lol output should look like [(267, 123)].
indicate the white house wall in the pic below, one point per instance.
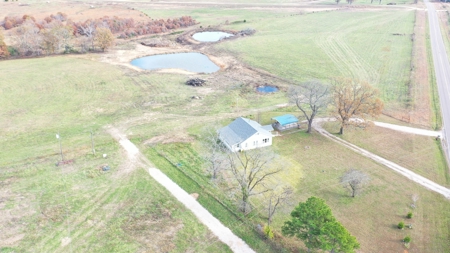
[(249, 143)]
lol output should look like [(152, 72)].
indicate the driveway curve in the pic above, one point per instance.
[(317, 125)]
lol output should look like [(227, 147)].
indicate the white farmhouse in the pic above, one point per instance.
[(244, 134)]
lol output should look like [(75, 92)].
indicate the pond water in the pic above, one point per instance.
[(210, 36), (192, 62), (267, 89)]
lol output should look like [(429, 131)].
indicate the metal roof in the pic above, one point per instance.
[(267, 127), (240, 130), (286, 119)]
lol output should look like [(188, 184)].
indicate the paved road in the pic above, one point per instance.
[(442, 72)]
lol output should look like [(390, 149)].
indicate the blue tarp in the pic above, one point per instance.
[(286, 119)]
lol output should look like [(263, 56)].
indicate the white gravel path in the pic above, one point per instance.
[(224, 234), (397, 168), (410, 130)]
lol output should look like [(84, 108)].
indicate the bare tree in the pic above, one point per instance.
[(215, 156), (355, 180), (276, 199), (28, 39), (55, 36), (354, 98), (88, 31), (310, 97), (251, 170)]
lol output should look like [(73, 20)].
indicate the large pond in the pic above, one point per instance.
[(192, 62), (210, 36)]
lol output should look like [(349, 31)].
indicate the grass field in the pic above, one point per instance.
[(353, 44), (421, 154), (373, 46), (44, 205), (77, 207), (371, 217)]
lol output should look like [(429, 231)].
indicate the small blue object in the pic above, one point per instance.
[(285, 119), (267, 89), (105, 168)]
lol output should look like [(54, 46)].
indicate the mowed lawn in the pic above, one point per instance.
[(78, 207), (372, 217)]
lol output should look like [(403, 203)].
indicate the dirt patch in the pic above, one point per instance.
[(13, 208), (155, 232), (172, 138), (76, 11), (419, 112)]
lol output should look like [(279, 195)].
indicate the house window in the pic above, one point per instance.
[(237, 145), (255, 143), (265, 140)]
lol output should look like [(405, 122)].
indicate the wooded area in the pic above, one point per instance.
[(58, 34)]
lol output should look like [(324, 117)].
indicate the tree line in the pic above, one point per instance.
[(58, 34)]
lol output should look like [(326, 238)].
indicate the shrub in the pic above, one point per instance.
[(245, 21), (409, 215), (401, 225), (407, 239), (268, 232), (13, 51)]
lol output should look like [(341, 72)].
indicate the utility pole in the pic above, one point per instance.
[(92, 143), (60, 147)]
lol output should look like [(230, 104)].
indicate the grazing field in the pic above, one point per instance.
[(371, 46), (77, 206)]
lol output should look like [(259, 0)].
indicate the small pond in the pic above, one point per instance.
[(267, 89), (192, 62), (210, 36)]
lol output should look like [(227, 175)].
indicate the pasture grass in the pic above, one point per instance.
[(184, 166), (371, 216), (385, 201), (77, 207), (371, 46), (421, 154)]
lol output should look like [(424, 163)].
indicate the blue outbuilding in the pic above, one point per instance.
[(285, 122)]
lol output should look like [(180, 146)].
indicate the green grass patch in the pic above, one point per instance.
[(435, 104), (191, 177), (328, 44)]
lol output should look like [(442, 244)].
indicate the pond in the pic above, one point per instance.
[(192, 62), (267, 89), (210, 36)]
